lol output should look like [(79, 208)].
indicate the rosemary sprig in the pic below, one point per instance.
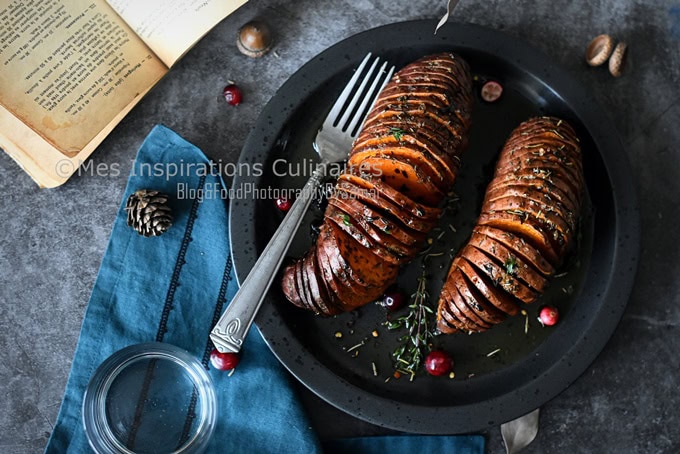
[(416, 343)]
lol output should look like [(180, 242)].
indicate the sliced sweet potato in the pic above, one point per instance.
[(544, 152), (347, 224), (363, 265), (406, 177), (557, 228), (349, 190), (430, 167), (474, 299), (317, 291), (329, 279), (453, 314), (413, 138), (437, 131), (408, 205), (551, 170), (510, 260), (530, 193), (350, 289), (544, 176), (520, 247), (547, 191), (499, 298), (443, 324), (416, 111), (302, 288), (382, 237), (423, 153), (289, 286), (498, 275), (378, 218), (525, 227), (448, 320), (461, 297), (424, 133)]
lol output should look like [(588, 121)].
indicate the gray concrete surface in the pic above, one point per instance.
[(51, 241)]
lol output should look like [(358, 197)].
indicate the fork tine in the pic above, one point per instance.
[(371, 95), (337, 107), (359, 94)]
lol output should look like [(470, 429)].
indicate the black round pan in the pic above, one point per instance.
[(528, 368)]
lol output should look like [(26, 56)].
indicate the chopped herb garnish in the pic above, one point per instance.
[(346, 219), (398, 133), (511, 265)]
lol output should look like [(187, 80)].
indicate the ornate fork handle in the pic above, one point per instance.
[(231, 330)]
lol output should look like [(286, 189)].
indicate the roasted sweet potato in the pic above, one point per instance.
[(401, 166), (404, 175), (527, 224), (379, 219), (527, 228), (424, 133), (383, 236), (556, 227), (510, 260), (290, 289), (544, 201), (519, 247), (417, 153), (378, 188)]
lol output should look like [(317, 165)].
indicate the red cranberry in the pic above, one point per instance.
[(394, 300), (223, 361), (549, 315), (233, 94), (284, 204), (491, 91), (438, 363)]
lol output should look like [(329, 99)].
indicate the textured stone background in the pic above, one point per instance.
[(52, 241)]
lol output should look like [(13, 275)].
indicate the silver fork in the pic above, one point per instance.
[(332, 143)]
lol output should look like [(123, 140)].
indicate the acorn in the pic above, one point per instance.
[(599, 49), (254, 39), (618, 59)]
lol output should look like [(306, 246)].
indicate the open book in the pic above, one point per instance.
[(70, 71)]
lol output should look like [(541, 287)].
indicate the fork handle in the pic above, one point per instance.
[(231, 329)]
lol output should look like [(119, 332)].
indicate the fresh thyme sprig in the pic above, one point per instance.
[(416, 344)]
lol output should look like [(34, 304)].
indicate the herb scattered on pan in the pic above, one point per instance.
[(416, 344)]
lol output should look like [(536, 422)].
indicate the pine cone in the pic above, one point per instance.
[(148, 212)]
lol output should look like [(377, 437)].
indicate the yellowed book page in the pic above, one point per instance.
[(67, 69), (171, 27), (43, 162)]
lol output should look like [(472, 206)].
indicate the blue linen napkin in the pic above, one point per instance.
[(173, 289)]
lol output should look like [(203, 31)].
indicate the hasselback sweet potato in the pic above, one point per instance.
[(526, 227), (401, 166)]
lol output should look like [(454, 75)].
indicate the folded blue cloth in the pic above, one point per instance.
[(172, 289)]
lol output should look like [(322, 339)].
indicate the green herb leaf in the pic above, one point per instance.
[(398, 133), (511, 265), (346, 219)]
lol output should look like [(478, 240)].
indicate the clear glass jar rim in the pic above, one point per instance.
[(99, 434)]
